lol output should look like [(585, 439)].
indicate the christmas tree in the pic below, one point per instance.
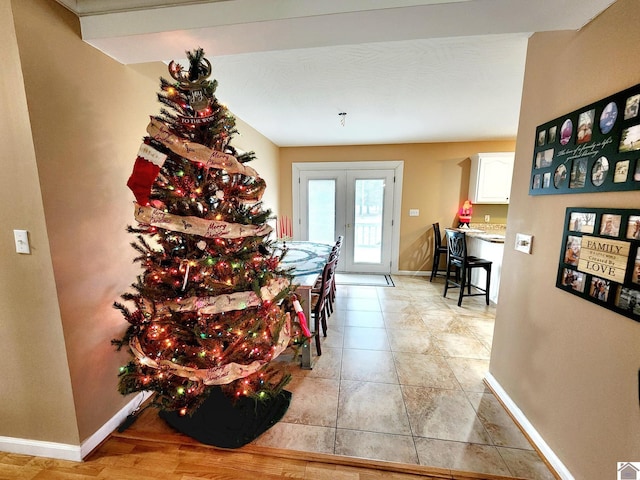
[(209, 315)]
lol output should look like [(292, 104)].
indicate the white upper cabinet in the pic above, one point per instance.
[(490, 180)]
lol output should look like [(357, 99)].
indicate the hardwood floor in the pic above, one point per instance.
[(150, 449)]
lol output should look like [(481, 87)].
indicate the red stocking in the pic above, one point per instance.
[(145, 171)]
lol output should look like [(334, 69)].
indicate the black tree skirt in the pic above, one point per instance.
[(224, 424)]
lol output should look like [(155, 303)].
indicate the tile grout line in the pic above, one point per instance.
[(404, 402)]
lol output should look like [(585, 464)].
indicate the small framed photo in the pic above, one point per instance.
[(636, 174), (546, 180), (566, 131), (599, 288), (585, 126), (629, 299), (538, 163), (583, 222), (578, 173), (608, 117), (559, 176), (542, 135), (572, 278), (633, 228), (631, 107), (537, 181), (630, 139), (610, 225), (621, 171), (544, 158), (572, 250), (553, 131), (599, 171), (635, 276)]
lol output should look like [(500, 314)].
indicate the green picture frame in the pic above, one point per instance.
[(593, 149), (600, 258)]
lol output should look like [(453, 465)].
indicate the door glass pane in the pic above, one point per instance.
[(322, 210), (367, 245)]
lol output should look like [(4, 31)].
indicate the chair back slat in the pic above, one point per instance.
[(328, 273), (437, 235), (456, 244)]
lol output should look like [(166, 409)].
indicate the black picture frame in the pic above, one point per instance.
[(593, 149), (612, 281)]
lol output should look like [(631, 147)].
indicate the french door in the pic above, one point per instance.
[(334, 199)]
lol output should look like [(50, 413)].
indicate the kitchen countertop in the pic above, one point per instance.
[(487, 236)]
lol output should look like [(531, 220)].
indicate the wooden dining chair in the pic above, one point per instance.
[(335, 252), (438, 249), (458, 259), (337, 249), (319, 300)]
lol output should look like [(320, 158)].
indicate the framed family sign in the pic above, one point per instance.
[(600, 258), (593, 149)]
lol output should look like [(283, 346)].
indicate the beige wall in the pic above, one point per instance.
[(35, 397), (87, 116), (571, 366), (266, 162), (436, 181)]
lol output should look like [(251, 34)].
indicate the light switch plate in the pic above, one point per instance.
[(523, 243), (414, 212), (22, 241)]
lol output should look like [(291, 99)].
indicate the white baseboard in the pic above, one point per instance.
[(62, 451), (103, 432), (528, 428), (38, 448)]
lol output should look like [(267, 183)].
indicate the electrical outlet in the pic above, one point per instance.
[(487, 218)]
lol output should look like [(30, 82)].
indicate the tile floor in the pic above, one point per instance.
[(400, 380)]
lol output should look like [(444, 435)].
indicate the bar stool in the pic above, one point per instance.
[(438, 249), (457, 258)]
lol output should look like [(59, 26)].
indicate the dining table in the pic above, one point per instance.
[(307, 259)]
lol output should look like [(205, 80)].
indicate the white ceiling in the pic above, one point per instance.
[(404, 71)]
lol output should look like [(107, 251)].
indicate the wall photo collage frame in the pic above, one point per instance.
[(593, 149), (600, 258)]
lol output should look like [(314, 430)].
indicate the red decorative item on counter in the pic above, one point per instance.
[(464, 214)]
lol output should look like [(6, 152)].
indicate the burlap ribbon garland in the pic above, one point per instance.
[(215, 376), (220, 303), (197, 226), (196, 152), (210, 305)]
